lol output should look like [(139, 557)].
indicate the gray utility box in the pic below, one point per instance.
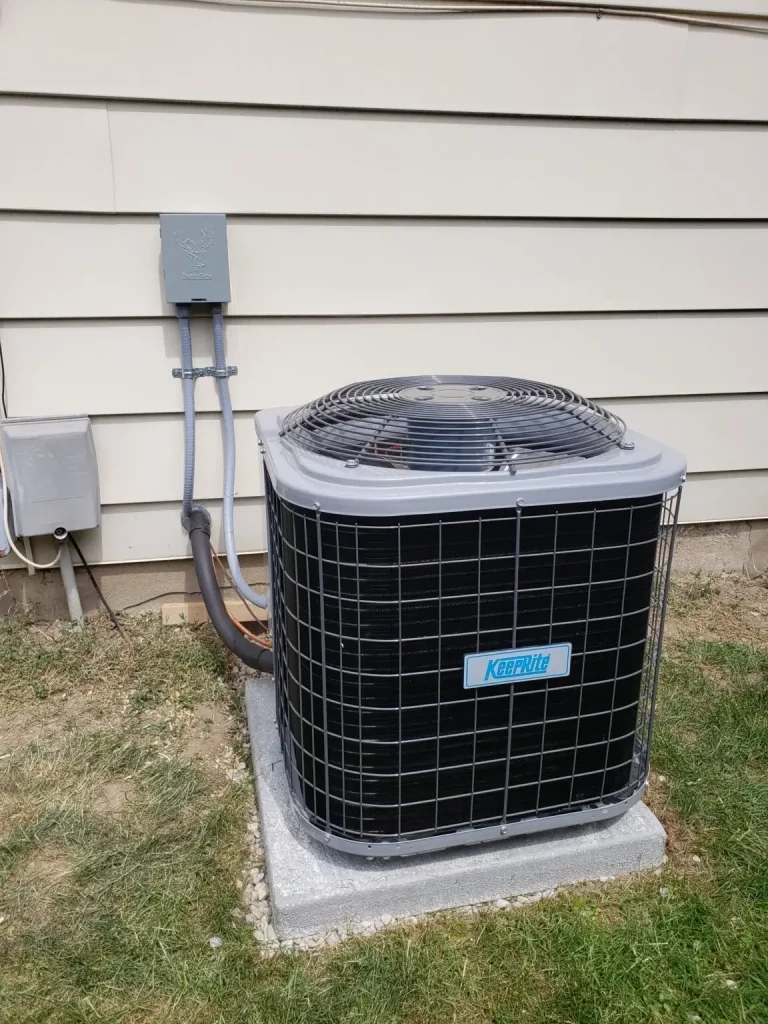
[(195, 262), (53, 477)]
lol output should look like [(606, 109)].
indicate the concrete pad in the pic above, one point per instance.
[(314, 889)]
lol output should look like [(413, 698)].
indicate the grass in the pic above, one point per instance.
[(122, 842)]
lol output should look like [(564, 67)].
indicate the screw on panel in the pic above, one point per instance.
[(503, 830), (316, 505), (351, 463), (520, 502), (627, 446)]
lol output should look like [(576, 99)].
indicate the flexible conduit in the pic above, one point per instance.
[(228, 502), (188, 388)]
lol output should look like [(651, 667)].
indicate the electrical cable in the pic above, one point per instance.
[(732, 22), (97, 588), (3, 385)]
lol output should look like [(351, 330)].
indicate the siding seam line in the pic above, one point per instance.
[(415, 112), (111, 157)]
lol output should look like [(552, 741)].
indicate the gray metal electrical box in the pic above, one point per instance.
[(52, 474), (195, 260)]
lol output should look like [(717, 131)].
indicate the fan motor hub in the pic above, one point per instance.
[(452, 394)]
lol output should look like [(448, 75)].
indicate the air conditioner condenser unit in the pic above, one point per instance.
[(469, 578)]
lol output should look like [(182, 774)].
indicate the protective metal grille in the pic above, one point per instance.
[(453, 424), (373, 617)]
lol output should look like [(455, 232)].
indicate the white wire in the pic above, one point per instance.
[(750, 23), (5, 498)]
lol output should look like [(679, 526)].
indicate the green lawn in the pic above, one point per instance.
[(122, 843)]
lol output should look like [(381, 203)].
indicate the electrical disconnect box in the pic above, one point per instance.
[(52, 474), (195, 260)]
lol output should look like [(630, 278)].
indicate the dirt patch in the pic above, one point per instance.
[(689, 738), (46, 866), (681, 845), (209, 731), (19, 729), (725, 609), (49, 721), (681, 839), (721, 679), (113, 796)]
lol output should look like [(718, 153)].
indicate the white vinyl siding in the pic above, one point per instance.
[(287, 361), (139, 158), (67, 266), (555, 197), (409, 165), (560, 64), (55, 156)]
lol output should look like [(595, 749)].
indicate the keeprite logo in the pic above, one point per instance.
[(495, 668), (527, 665)]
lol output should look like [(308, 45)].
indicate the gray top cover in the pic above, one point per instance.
[(447, 444)]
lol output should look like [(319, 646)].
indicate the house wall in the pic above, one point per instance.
[(561, 197)]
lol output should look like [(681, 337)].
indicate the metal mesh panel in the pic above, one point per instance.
[(373, 617)]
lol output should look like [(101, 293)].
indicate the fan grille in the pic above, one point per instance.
[(453, 424)]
